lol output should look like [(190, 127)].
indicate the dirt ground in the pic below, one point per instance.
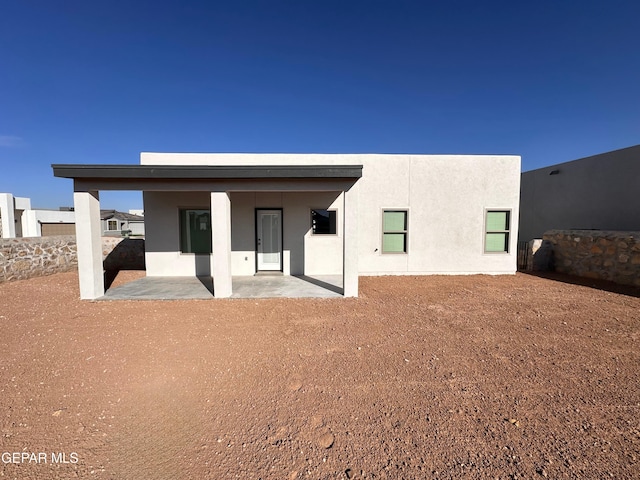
[(420, 377)]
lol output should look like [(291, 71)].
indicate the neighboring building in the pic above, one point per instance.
[(118, 224), (18, 219), (222, 215), (11, 209), (44, 223), (593, 193)]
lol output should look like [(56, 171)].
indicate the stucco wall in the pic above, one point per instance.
[(605, 255), (446, 196), (162, 226), (22, 258), (597, 192), (303, 252)]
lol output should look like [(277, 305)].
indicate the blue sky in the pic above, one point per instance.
[(99, 82)]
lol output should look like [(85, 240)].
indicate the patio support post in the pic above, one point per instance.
[(221, 244), (350, 245), (89, 244)]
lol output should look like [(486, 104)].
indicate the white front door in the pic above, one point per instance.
[(269, 239)]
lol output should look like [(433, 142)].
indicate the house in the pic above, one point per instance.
[(224, 215), (116, 224), (593, 193), (11, 209), (20, 220)]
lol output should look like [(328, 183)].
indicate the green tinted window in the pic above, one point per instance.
[(395, 221), (497, 221), (497, 227), (496, 242), (394, 231), (394, 243), (195, 231)]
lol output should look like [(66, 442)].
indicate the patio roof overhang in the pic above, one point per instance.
[(198, 177), (219, 181)]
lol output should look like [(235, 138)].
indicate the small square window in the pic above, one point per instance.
[(323, 222), (394, 231), (497, 230), (112, 225)]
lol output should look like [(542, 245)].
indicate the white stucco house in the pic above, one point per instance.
[(225, 215), (11, 209), (18, 219)]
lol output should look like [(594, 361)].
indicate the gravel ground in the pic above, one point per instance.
[(421, 377)]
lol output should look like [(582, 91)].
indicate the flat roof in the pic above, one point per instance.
[(200, 172)]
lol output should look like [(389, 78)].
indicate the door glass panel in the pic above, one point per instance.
[(270, 233), (270, 242)]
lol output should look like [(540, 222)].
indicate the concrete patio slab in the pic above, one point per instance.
[(260, 286), (162, 288), (285, 286)]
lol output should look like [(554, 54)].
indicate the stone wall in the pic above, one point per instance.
[(22, 258), (604, 255)]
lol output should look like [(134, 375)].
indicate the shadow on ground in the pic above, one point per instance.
[(603, 285), (127, 255)]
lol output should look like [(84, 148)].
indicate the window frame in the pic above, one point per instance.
[(507, 251), (405, 232), (330, 210), (181, 241), (110, 223)]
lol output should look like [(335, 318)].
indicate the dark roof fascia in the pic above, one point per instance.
[(182, 172)]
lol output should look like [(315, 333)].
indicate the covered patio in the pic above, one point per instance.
[(201, 288), (219, 183)]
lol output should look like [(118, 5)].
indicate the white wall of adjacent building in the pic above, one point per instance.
[(11, 209), (32, 220), (18, 219)]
